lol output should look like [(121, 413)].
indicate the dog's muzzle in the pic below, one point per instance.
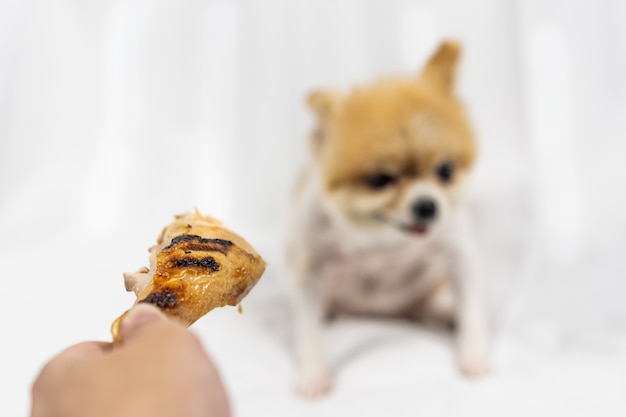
[(416, 228)]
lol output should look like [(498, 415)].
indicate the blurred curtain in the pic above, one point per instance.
[(123, 110)]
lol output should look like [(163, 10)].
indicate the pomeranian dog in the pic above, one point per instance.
[(378, 221)]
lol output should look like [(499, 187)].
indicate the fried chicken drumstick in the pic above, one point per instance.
[(197, 265)]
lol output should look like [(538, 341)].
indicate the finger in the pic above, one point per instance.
[(74, 355), (55, 373), (86, 349), (139, 316)]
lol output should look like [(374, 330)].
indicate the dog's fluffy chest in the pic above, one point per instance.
[(381, 279)]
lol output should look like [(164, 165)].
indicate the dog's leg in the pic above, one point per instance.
[(472, 337), (314, 377)]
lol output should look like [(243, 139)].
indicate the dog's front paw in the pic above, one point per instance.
[(313, 383), (474, 364)]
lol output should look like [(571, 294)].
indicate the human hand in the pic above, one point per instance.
[(160, 370)]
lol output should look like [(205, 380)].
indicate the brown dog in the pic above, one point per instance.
[(378, 219)]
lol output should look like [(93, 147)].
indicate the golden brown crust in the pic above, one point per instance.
[(197, 265)]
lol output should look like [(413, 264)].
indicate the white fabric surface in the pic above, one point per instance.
[(115, 115)]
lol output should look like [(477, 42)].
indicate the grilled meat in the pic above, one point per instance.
[(197, 265)]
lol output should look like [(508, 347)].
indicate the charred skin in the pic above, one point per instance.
[(196, 266), (195, 275)]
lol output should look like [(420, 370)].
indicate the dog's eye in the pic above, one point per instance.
[(380, 180), (445, 171)]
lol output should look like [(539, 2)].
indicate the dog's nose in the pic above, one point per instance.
[(424, 209)]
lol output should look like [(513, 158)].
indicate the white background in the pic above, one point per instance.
[(116, 115)]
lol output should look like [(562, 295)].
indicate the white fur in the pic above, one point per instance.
[(338, 265)]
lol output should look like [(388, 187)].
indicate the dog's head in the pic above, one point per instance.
[(394, 155)]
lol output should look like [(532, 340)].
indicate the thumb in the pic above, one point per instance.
[(138, 316)]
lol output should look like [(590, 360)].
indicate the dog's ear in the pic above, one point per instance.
[(324, 103), (440, 70)]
